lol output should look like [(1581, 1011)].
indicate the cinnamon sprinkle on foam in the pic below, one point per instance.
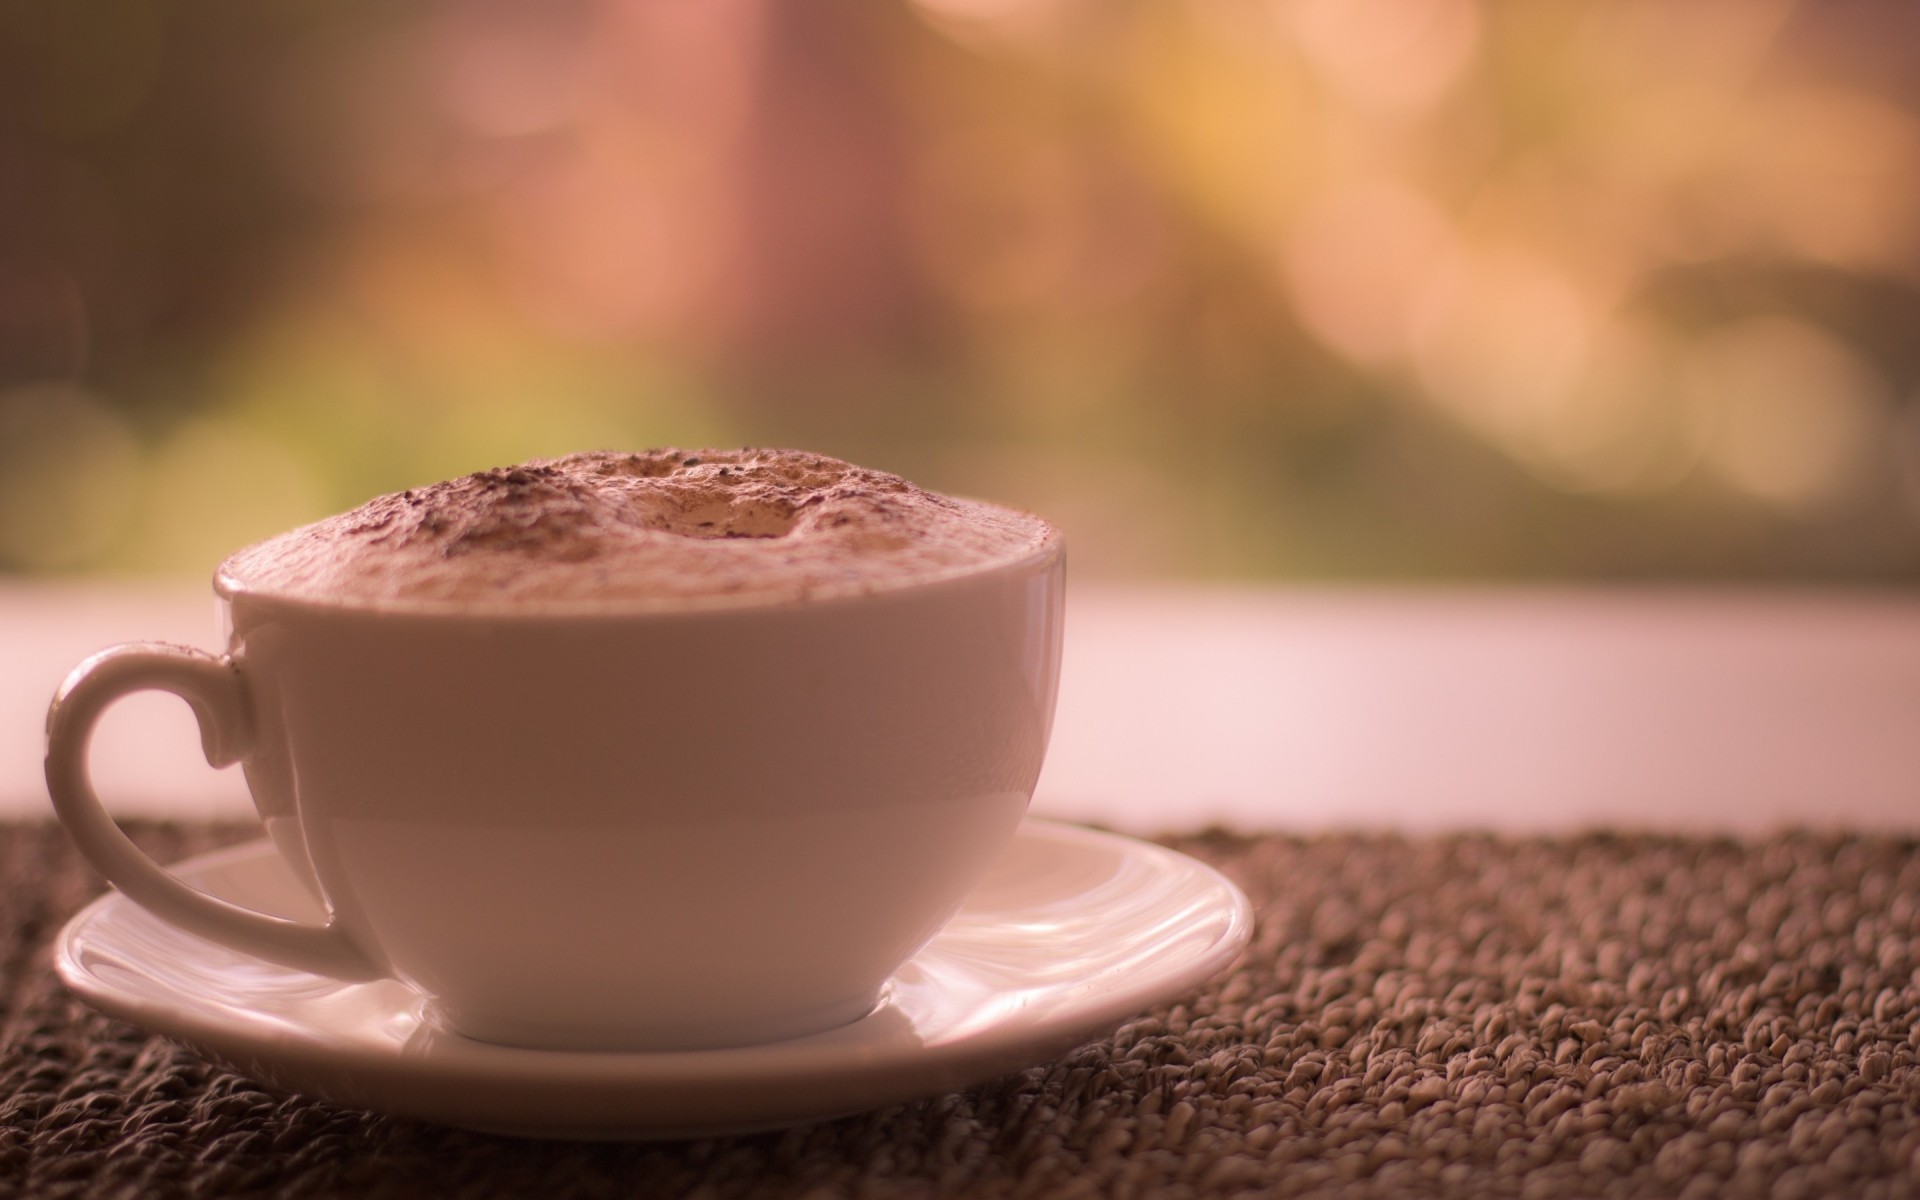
[(660, 527)]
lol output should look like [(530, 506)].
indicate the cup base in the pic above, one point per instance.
[(646, 1039)]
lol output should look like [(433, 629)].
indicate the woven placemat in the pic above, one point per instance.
[(1461, 1016)]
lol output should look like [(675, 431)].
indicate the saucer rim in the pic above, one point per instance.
[(887, 1074)]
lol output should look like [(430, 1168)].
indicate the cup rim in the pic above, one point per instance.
[(1049, 550)]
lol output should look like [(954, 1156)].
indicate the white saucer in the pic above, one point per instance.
[(1073, 932)]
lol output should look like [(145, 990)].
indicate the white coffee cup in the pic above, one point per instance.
[(641, 830)]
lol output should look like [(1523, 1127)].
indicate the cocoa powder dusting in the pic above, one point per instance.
[(666, 525)]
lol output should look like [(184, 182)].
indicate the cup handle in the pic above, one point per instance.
[(213, 687)]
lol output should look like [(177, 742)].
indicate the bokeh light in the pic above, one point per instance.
[(1236, 288), (1362, 259), (1785, 412), (1394, 56), (1503, 342)]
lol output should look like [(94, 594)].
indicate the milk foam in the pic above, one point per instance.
[(665, 528)]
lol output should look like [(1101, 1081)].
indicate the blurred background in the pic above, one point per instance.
[(1232, 289)]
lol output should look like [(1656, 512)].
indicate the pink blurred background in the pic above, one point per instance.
[(1289, 289)]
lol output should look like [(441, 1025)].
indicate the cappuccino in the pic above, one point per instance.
[(667, 528), (569, 750)]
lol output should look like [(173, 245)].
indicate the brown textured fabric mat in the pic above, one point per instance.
[(1601, 1016)]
